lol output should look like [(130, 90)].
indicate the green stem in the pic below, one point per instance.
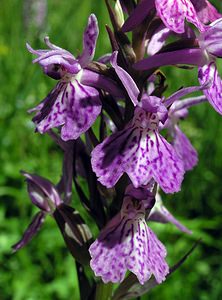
[(103, 291)]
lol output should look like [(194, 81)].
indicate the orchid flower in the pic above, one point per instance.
[(74, 103), (127, 243)]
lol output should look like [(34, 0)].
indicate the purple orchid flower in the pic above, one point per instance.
[(203, 57), (128, 243), (140, 151), (172, 13), (74, 103)]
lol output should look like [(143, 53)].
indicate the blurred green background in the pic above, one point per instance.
[(44, 269)]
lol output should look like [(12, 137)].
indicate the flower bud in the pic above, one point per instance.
[(42, 192)]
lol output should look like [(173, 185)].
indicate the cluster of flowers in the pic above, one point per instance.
[(131, 158)]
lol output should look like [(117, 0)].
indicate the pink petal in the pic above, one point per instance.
[(209, 74), (83, 107), (89, 41), (126, 79), (174, 12), (185, 150)]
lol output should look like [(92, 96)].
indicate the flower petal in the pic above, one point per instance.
[(209, 73), (55, 56), (155, 158), (206, 11), (158, 39), (53, 110), (89, 41), (157, 264), (107, 157), (32, 229), (71, 104), (184, 149), (139, 14), (126, 79), (160, 214), (174, 12), (210, 40), (83, 107)]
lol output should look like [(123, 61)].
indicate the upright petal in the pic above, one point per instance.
[(126, 79), (184, 149), (209, 73), (89, 41), (139, 14), (174, 12)]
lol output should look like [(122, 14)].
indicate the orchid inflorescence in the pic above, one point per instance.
[(139, 151)]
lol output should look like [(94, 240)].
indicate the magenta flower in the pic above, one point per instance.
[(203, 57), (127, 243), (74, 103), (140, 151)]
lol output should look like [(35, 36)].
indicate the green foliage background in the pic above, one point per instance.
[(44, 269)]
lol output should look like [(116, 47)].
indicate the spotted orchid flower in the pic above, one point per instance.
[(74, 103), (172, 12), (127, 243), (140, 151), (204, 57)]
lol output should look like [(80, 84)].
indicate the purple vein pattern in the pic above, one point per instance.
[(71, 104), (141, 152), (174, 12), (127, 243)]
